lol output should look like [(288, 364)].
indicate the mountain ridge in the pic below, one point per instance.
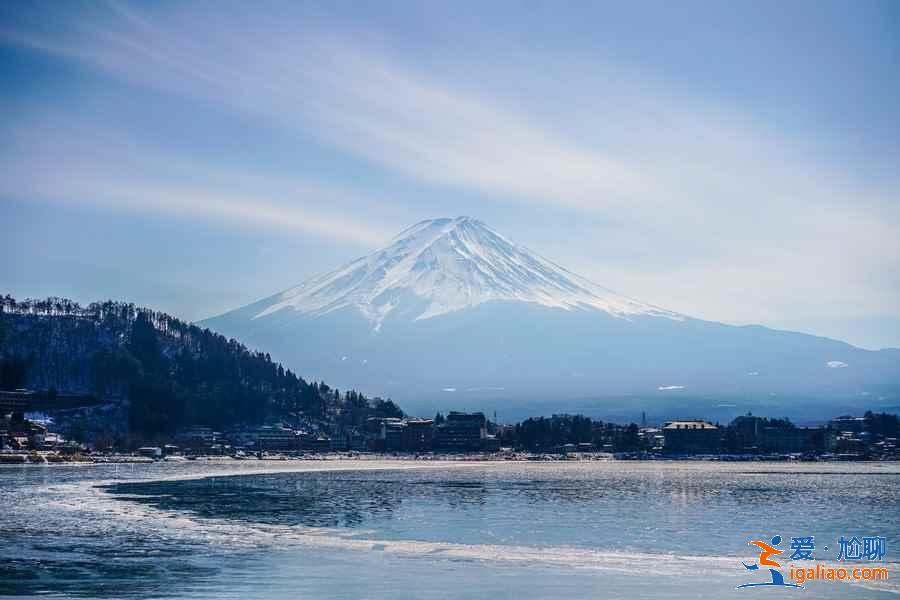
[(452, 310), (450, 264)]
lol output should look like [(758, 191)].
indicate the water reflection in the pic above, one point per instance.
[(310, 499)]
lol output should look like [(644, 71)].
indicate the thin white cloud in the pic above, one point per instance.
[(636, 147), (729, 217), (358, 100), (63, 163)]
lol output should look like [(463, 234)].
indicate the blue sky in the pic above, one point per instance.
[(731, 161)]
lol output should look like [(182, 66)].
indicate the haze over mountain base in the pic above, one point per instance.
[(453, 315)]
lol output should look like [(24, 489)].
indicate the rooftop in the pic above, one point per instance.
[(689, 425)]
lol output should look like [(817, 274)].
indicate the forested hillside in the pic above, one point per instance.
[(170, 373)]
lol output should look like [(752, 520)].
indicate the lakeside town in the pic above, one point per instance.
[(29, 437)]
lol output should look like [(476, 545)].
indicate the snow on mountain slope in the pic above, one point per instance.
[(440, 266), (451, 308)]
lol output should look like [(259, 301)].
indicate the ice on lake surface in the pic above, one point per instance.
[(350, 529)]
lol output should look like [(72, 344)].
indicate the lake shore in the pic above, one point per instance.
[(51, 458)]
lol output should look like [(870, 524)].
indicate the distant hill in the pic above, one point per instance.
[(169, 373)]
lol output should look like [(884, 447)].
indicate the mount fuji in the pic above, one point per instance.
[(451, 314)]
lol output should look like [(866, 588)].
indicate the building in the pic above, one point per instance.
[(15, 402), (462, 431), (277, 438), (748, 432), (339, 444), (848, 423), (372, 427), (26, 435), (690, 437), (348, 439), (385, 433), (418, 435), (151, 452), (198, 437), (848, 444), (392, 433), (315, 443), (780, 440), (651, 439)]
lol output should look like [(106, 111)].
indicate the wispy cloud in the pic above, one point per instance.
[(72, 163), (634, 145), (356, 98), (708, 208)]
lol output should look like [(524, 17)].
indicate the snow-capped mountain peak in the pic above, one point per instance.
[(444, 265)]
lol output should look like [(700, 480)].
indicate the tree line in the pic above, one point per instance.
[(172, 373)]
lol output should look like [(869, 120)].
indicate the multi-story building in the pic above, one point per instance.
[(15, 402), (792, 440), (315, 443), (418, 435), (384, 433), (651, 439), (198, 437), (277, 438), (690, 437), (392, 433), (462, 431), (848, 423)]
